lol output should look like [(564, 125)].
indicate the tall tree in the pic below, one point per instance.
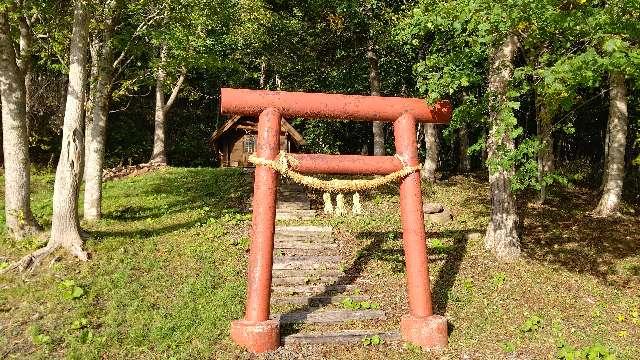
[(96, 121), (431, 158), (374, 82), (19, 218), (501, 236), (545, 154), (190, 35), (159, 153), (65, 224), (464, 165), (617, 141)]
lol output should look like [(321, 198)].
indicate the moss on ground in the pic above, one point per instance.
[(168, 275)]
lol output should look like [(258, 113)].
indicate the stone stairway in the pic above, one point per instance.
[(293, 203), (309, 281)]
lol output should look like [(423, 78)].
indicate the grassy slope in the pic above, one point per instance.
[(167, 275)]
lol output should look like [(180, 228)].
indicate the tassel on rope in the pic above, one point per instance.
[(340, 209), (356, 209), (328, 206)]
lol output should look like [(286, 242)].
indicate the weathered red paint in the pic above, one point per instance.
[(256, 332), (263, 225), (345, 164), (256, 336), (331, 106), (413, 233), (428, 332)]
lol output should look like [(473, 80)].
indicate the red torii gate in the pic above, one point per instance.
[(256, 331)]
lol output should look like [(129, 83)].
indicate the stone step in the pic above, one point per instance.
[(310, 280), (286, 273), (315, 300), (288, 249), (295, 208), (306, 262), (333, 316), (293, 199), (303, 245), (312, 289), (292, 190), (311, 230), (340, 337), (295, 214), (311, 237), (293, 205), (287, 193)]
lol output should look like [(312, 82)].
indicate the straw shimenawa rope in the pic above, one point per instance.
[(281, 165)]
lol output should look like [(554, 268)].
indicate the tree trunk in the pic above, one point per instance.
[(545, 155), (431, 145), (19, 219), (96, 131), (465, 161), (502, 236), (65, 227), (617, 127), (159, 155), (374, 83), (25, 63), (263, 73)]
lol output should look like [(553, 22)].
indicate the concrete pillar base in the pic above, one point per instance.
[(257, 337), (427, 332)]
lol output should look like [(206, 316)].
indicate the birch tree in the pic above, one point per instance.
[(186, 36), (20, 222), (431, 158), (96, 120), (613, 177), (65, 224), (159, 153)]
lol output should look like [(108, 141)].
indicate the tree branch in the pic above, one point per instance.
[(143, 25), (176, 89)]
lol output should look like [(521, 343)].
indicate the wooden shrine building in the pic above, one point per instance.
[(236, 140)]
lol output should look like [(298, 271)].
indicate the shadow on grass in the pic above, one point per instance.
[(161, 195), (563, 233), (179, 190), (145, 232), (451, 256)]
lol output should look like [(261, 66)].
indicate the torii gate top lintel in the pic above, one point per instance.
[(331, 106)]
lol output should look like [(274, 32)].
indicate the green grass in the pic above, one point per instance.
[(167, 276)]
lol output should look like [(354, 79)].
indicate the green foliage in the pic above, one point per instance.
[(456, 40), (507, 346), (439, 247), (38, 337), (373, 340), (70, 290), (79, 324), (499, 279), (350, 304), (412, 348), (594, 352), (533, 324)]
